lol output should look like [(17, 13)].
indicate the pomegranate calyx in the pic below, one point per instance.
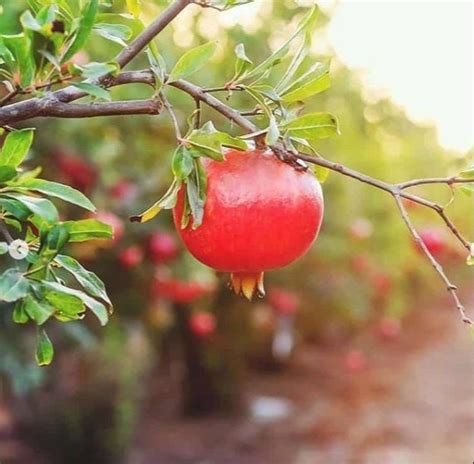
[(247, 284)]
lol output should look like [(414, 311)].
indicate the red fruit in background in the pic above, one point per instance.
[(361, 229), (112, 220), (361, 264), (284, 302), (202, 324), (434, 240), (260, 214), (355, 361), (75, 171), (162, 247), (410, 204), (382, 283), (123, 191), (389, 327), (131, 256), (180, 291)]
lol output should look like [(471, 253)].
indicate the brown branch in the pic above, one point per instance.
[(435, 180), (6, 233), (89, 110)]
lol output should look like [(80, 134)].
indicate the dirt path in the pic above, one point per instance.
[(414, 404)]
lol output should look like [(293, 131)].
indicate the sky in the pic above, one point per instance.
[(421, 53)]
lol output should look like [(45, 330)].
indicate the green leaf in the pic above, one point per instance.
[(7, 173), (65, 307), (467, 173), (94, 90), (16, 147), (54, 189), (19, 313), (20, 47), (13, 285), (44, 349), (167, 201), (95, 306), (312, 126), (89, 281), (296, 61), (15, 208), (117, 33), (192, 61), (196, 203), (94, 70), (273, 132), (39, 311), (468, 189), (88, 229), (134, 7), (28, 21), (308, 85), (182, 163), (3, 248), (39, 206), (306, 23), (157, 64), (84, 29), (243, 63)]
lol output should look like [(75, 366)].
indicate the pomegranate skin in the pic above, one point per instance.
[(260, 214)]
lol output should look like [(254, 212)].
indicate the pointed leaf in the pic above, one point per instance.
[(88, 229), (16, 147), (312, 126), (13, 285), (44, 349), (54, 189), (94, 90), (192, 61)]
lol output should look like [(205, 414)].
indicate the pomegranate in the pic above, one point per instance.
[(202, 324), (131, 256), (123, 191), (260, 214), (180, 291), (162, 247), (75, 170), (433, 240), (284, 302)]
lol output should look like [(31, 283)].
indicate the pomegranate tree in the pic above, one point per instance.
[(260, 214)]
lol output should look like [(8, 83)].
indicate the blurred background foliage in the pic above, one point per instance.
[(363, 269)]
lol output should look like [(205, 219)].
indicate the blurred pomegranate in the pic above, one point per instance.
[(361, 229), (74, 170), (355, 361), (180, 291), (123, 191), (162, 247), (389, 327), (410, 204), (112, 220), (284, 302), (361, 264), (382, 283), (202, 324), (434, 240), (131, 256)]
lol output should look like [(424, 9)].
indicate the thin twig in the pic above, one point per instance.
[(173, 117), (438, 268), (6, 233), (197, 120)]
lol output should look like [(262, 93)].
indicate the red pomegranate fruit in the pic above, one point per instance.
[(260, 214), (112, 220)]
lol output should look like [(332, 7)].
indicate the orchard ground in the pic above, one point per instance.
[(412, 404)]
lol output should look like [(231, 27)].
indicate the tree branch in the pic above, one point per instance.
[(438, 268)]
